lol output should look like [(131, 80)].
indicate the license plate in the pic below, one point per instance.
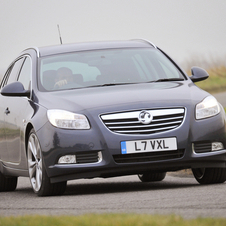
[(140, 146)]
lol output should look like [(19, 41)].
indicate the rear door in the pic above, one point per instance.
[(3, 144), (15, 120), (10, 128), (14, 109)]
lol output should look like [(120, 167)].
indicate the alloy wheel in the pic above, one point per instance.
[(35, 162)]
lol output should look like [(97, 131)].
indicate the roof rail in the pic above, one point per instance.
[(145, 40), (36, 49)]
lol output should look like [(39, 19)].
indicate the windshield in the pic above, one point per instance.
[(105, 67)]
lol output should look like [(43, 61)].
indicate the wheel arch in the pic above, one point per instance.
[(27, 132)]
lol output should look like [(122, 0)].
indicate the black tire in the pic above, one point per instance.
[(38, 177), (7, 183), (152, 177), (210, 175)]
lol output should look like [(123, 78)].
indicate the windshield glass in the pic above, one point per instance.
[(105, 67)]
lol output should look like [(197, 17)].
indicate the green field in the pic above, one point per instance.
[(109, 220)]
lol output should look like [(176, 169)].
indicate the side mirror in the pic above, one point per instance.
[(15, 89), (198, 74)]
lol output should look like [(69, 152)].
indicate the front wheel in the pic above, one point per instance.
[(152, 177), (210, 175), (38, 177)]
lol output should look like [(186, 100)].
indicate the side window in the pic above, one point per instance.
[(14, 72), (5, 77), (25, 73)]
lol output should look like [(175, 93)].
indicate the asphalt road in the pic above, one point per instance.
[(175, 195)]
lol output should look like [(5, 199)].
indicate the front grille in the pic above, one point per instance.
[(202, 147), (129, 123), (149, 156), (90, 157)]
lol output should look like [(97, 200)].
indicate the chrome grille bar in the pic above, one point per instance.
[(145, 131), (144, 126), (128, 122)]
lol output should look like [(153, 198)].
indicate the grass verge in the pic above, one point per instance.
[(109, 220)]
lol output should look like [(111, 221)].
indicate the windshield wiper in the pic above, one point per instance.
[(111, 84), (168, 79), (130, 83)]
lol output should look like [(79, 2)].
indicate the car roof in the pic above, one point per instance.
[(66, 48)]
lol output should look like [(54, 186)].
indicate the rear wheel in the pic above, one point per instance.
[(151, 177), (38, 177), (7, 183), (210, 175)]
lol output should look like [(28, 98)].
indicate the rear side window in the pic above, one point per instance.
[(12, 73)]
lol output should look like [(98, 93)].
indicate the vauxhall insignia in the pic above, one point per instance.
[(145, 117)]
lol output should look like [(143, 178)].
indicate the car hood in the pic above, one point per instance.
[(124, 97)]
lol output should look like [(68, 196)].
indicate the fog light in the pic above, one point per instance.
[(67, 159), (217, 146)]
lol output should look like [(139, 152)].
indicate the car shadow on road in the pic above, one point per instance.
[(119, 187), (108, 186)]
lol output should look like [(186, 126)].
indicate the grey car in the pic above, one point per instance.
[(106, 109)]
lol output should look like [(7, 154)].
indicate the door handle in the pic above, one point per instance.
[(7, 111)]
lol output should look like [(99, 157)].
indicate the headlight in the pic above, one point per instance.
[(207, 108), (67, 120)]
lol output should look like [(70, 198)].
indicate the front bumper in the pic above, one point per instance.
[(105, 169), (56, 143)]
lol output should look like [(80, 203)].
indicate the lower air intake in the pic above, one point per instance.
[(149, 157), (90, 157), (202, 147)]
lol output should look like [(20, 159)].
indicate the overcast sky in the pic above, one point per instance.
[(182, 28)]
